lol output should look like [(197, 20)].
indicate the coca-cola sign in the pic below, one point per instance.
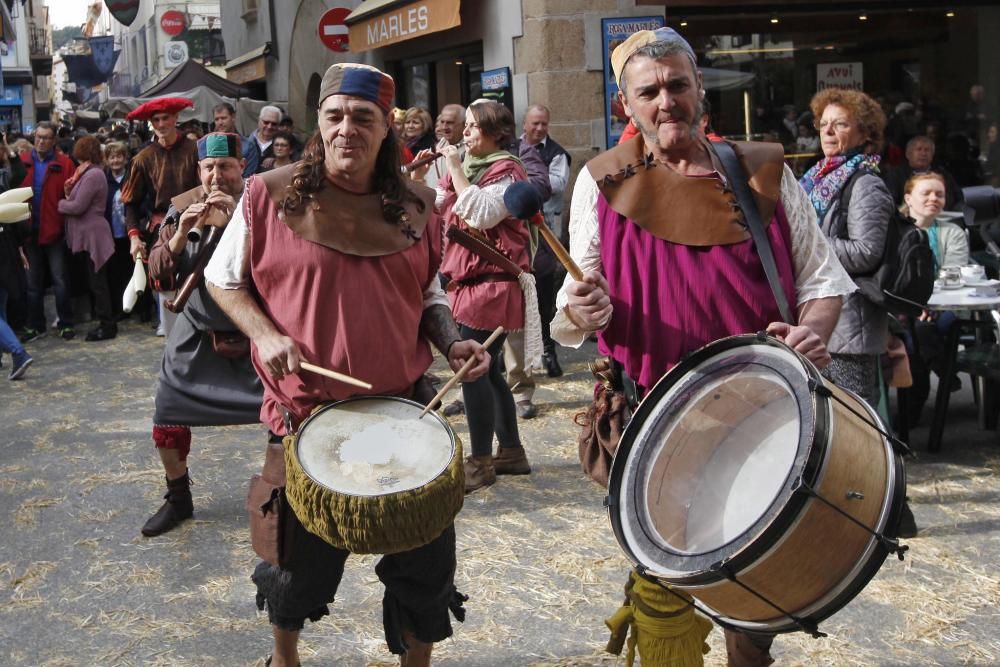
[(173, 22)]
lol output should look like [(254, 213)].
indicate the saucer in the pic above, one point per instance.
[(985, 282)]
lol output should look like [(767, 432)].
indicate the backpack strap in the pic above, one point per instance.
[(738, 181), (838, 227)]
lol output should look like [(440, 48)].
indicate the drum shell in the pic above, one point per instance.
[(827, 556), (377, 524)]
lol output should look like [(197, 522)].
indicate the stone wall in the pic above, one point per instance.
[(560, 55)]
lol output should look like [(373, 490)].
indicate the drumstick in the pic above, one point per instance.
[(560, 252), (334, 375), (460, 374)]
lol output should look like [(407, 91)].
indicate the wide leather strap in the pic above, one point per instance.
[(350, 223), (679, 209)]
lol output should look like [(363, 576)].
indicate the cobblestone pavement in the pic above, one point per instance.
[(80, 586)]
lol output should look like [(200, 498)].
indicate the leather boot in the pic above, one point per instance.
[(177, 508), (479, 472), (511, 461)]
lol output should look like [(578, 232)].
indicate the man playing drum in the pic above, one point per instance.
[(334, 260), (203, 381), (701, 279)]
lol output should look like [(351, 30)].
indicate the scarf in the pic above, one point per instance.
[(72, 180), (475, 167), (824, 181), (932, 237)]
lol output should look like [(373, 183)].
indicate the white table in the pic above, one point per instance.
[(961, 298), (984, 308)]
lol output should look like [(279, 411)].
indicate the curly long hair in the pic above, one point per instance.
[(309, 177)]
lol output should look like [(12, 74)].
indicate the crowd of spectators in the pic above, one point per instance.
[(76, 240)]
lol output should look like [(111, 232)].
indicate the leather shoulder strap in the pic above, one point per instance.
[(738, 181)]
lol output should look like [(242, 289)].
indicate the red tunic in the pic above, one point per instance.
[(486, 305), (351, 314)]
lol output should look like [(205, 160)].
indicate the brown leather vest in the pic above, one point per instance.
[(679, 209), (350, 223)]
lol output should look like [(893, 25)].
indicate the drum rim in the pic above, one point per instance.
[(769, 528), (396, 399)]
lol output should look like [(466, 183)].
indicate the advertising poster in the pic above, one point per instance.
[(496, 86), (616, 31)]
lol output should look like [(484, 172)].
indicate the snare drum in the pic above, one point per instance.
[(366, 475), (750, 482)]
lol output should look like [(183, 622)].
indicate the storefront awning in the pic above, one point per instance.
[(248, 67), (378, 23)]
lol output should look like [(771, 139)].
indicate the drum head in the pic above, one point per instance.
[(372, 446), (708, 460)]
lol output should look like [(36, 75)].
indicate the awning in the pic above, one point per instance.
[(378, 23), (251, 66)]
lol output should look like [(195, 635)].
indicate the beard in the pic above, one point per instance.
[(650, 133)]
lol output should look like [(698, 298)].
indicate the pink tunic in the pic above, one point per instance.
[(355, 315), (487, 305), (671, 299)]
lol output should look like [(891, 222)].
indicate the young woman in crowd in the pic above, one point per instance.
[(924, 197)]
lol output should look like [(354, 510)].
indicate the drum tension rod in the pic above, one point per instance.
[(803, 624), (901, 447), (890, 544)]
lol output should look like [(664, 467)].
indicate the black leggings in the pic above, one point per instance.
[(489, 405)]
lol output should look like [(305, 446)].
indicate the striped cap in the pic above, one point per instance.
[(359, 80), (220, 144)]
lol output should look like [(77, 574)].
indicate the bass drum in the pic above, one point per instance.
[(750, 482), (366, 475)]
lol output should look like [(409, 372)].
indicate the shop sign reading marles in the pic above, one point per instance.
[(412, 20)]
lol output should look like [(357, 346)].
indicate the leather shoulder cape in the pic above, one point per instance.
[(679, 209), (350, 223)]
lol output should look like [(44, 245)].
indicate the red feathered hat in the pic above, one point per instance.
[(159, 105)]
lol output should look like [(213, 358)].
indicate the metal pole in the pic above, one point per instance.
[(746, 112)]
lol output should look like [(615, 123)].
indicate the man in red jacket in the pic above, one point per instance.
[(48, 168)]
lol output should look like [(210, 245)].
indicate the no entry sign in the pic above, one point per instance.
[(333, 30)]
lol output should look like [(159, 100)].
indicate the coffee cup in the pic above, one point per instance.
[(973, 273)]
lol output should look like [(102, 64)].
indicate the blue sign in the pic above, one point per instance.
[(496, 86), (614, 32), (495, 79), (11, 96)]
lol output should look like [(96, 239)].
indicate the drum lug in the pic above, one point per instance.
[(818, 388), (610, 502), (855, 495)]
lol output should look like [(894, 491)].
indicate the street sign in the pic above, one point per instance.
[(333, 30), (173, 22)]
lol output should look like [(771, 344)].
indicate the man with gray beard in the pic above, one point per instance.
[(669, 266)]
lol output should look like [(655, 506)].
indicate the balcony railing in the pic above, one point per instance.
[(38, 39)]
